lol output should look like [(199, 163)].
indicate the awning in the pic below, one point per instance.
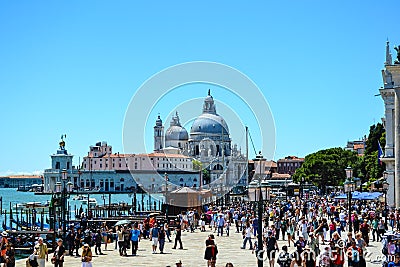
[(361, 195)]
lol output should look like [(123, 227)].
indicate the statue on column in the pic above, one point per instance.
[(397, 61)]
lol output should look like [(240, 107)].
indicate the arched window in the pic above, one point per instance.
[(181, 180)]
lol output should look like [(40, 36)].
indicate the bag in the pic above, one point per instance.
[(53, 259)]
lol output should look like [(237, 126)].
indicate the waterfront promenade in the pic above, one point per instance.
[(193, 253)]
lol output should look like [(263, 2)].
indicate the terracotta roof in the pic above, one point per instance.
[(358, 146), (271, 164), (278, 176), (291, 159), (161, 155)]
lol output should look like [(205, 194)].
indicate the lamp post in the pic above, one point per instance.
[(64, 177), (286, 186), (257, 193), (385, 187), (79, 181), (166, 194), (349, 187), (302, 187)]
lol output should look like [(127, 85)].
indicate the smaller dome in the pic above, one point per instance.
[(176, 133)]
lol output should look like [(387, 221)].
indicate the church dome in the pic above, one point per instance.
[(209, 122), (176, 131)]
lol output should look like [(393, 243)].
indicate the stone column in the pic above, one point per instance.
[(397, 146)]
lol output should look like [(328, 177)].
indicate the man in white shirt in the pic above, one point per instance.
[(247, 237)]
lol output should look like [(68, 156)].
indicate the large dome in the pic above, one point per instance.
[(176, 133), (208, 123)]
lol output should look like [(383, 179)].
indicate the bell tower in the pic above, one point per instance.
[(158, 135)]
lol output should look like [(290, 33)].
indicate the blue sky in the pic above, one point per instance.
[(73, 66)]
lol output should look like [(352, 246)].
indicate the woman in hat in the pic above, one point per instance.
[(86, 257), (58, 256)]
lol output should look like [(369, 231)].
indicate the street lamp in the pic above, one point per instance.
[(166, 198), (349, 187), (258, 192), (385, 187), (64, 177)]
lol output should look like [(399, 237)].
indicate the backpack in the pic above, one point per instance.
[(324, 261)]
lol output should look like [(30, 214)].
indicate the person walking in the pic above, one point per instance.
[(135, 238), (121, 240), (71, 241), (97, 242), (247, 237), (220, 224), (178, 234), (154, 237), (42, 252), (161, 238), (78, 241), (86, 257), (272, 247), (9, 256), (211, 251), (58, 255)]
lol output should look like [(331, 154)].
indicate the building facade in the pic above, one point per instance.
[(357, 146), (105, 171), (289, 164), (390, 93), (208, 142), (15, 181)]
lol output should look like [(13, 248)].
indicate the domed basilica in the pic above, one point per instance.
[(209, 142)]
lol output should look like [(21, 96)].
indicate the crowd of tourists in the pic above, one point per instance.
[(312, 232)]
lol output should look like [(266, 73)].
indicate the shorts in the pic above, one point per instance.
[(154, 241), (271, 254)]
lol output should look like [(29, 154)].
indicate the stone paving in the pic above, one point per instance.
[(192, 254)]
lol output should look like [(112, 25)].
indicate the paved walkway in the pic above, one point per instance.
[(192, 255)]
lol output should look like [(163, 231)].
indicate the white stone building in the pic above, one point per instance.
[(390, 92), (209, 142)]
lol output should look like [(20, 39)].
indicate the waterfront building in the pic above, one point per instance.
[(390, 92), (105, 171), (18, 181), (208, 142), (169, 167)]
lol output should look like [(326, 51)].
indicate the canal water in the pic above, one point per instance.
[(11, 195)]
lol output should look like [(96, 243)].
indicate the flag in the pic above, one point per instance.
[(380, 153)]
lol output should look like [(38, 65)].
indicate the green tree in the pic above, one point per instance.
[(197, 165), (326, 167), (372, 169)]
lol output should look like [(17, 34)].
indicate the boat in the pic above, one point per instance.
[(92, 202), (24, 188), (79, 197)]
